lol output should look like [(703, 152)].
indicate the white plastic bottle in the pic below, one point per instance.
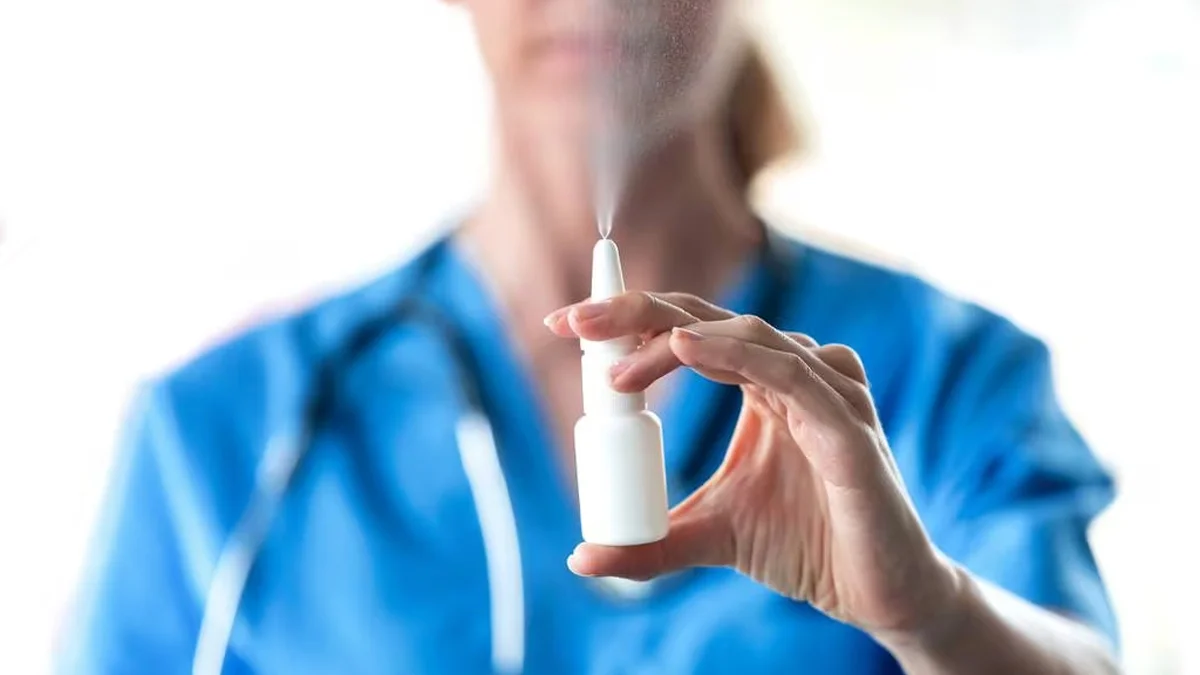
[(618, 441)]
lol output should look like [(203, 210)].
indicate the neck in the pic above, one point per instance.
[(683, 223)]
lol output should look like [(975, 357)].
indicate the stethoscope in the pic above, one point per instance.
[(286, 453)]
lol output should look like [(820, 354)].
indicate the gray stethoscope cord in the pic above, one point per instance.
[(498, 523), (489, 490), (285, 452), (481, 463), (237, 556), (480, 460)]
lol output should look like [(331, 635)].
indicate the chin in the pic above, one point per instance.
[(557, 116)]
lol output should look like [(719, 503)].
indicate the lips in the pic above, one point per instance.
[(597, 48)]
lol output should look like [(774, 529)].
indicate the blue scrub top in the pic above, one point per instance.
[(375, 561)]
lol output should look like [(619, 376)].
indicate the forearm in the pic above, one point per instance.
[(992, 631)]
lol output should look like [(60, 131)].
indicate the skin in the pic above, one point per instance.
[(808, 500)]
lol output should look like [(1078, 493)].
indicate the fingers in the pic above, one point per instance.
[(656, 358), (634, 313), (784, 372), (698, 307), (646, 366), (653, 361), (844, 360), (755, 330), (694, 540), (802, 340), (628, 314), (651, 315)]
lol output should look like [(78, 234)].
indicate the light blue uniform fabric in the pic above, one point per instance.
[(376, 564)]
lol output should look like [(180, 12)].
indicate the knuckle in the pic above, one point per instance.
[(858, 397), (803, 340), (754, 325), (846, 361), (797, 370), (840, 352), (681, 299), (642, 302), (859, 403), (661, 311)]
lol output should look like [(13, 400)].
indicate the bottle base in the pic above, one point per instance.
[(625, 541)]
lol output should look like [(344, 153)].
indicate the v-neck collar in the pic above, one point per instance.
[(518, 415), (516, 411)]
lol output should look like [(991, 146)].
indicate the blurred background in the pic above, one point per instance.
[(171, 170)]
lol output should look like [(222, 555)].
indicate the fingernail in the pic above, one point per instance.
[(555, 316), (688, 334), (572, 564), (591, 310), (618, 368)]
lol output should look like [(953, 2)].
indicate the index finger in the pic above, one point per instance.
[(633, 313)]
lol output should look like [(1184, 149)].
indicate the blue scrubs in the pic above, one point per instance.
[(375, 561)]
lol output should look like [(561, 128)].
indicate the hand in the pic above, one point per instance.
[(808, 499)]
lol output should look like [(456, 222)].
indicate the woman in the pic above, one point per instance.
[(933, 522)]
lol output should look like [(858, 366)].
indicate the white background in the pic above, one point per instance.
[(170, 169)]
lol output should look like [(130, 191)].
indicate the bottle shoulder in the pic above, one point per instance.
[(640, 420)]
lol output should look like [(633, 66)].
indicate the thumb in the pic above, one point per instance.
[(694, 540)]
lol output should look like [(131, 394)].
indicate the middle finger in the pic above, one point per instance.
[(634, 313)]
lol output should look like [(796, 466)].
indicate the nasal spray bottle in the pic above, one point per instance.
[(618, 441)]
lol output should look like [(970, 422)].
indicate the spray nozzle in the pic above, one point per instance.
[(598, 357), (607, 279)]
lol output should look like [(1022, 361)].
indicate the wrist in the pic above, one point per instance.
[(947, 617)]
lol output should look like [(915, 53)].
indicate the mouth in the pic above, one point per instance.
[(618, 64), (595, 49)]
